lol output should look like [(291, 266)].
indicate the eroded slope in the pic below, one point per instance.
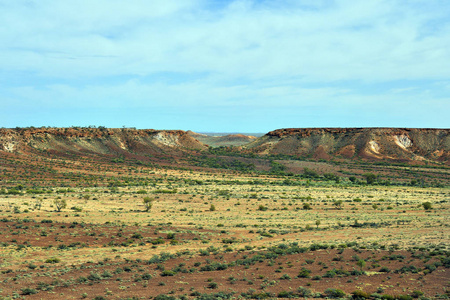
[(394, 144)]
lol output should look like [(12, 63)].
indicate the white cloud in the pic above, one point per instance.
[(369, 40), (244, 53)]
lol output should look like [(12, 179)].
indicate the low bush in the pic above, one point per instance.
[(334, 293), (28, 291), (360, 295)]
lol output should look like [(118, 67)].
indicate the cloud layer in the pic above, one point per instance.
[(204, 57)]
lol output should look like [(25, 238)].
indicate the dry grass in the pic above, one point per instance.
[(248, 216)]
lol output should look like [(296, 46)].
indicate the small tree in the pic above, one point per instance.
[(60, 203), (317, 223), (310, 173), (212, 207), (38, 204), (370, 178), (361, 263), (338, 204), (148, 203)]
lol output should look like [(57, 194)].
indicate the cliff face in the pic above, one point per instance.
[(96, 140), (391, 144), (375, 144)]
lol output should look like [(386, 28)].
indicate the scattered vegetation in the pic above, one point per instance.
[(221, 224)]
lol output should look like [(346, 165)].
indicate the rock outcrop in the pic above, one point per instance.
[(375, 144), (96, 140), (391, 144)]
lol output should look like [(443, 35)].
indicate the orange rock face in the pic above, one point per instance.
[(393, 144)]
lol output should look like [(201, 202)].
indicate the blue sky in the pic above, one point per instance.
[(225, 66)]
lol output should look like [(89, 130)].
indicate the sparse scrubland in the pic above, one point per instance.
[(213, 224)]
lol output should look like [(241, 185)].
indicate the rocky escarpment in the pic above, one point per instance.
[(96, 140), (392, 144), (376, 144)]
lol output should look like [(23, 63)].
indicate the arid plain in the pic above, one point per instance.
[(181, 220)]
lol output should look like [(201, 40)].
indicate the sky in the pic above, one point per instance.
[(225, 65)]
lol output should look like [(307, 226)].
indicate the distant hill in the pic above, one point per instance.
[(220, 139), (101, 141), (382, 144)]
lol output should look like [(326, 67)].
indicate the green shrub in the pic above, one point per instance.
[(76, 208), (427, 205), (330, 274), (42, 286), (106, 274), (304, 273), (136, 235), (168, 273), (262, 208), (334, 293), (370, 178), (407, 269), (52, 260), (94, 277), (360, 295), (304, 292), (28, 291)]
